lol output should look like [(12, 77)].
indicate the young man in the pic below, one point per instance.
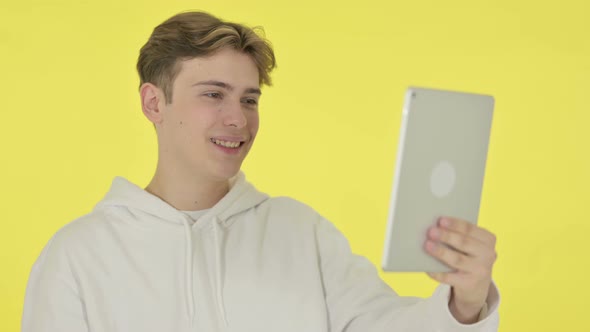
[(200, 249)]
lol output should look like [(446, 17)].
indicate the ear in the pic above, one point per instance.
[(151, 97)]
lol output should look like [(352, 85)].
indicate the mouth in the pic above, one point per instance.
[(229, 144)]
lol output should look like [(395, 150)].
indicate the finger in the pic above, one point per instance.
[(451, 257), (469, 229), (461, 242)]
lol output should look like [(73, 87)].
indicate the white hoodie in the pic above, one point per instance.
[(250, 263)]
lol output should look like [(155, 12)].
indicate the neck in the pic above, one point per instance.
[(186, 193)]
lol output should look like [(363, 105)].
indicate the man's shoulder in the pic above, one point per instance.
[(286, 211), (82, 229), (285, 204), (72, 238)]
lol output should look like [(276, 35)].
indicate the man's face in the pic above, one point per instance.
[(210, 125)]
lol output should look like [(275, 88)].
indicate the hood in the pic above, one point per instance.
[(241, 196)]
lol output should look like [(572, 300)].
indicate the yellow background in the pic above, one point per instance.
[(71, 121)]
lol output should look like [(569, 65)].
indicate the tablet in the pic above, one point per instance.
[(439, 171)]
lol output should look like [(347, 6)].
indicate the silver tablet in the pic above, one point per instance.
[(439, 171)]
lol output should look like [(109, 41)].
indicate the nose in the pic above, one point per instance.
[(233, 114)]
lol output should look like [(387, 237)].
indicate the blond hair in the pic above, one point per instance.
[(197, 34)]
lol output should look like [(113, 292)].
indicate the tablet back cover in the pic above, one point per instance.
[(440, 170)]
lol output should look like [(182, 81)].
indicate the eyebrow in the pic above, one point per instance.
[(227, 86)]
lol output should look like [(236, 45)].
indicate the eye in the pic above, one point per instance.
[(215, 95), (250, 101)]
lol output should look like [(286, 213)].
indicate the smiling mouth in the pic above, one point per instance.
[(227, 144)]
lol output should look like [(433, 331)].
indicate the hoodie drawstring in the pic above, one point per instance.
[(190, 301), (189, 271), (218, 283)]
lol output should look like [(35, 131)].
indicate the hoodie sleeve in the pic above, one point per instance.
[(52, 300), (358, 300)]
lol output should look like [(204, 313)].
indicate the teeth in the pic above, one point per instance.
[(226, 143)]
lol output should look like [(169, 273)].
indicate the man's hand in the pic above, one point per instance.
[(470, 250)]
